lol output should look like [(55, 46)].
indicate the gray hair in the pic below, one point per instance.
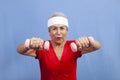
[(58, 14)]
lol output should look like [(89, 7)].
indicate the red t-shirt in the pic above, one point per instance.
[(54, 69)]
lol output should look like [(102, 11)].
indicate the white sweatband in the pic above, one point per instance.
[(57, 20)]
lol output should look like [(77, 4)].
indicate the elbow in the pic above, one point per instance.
[(21, 49)]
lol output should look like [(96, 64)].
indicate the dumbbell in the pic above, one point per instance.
[(47, 44), (74, 46)]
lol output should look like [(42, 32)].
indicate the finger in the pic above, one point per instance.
[(86, 43), (34, 43), (78, 43), (37, 46), (38, 43), (32, 40), (82, 42), (41, 42), (30, 45)]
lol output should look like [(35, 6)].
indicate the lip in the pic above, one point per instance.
[(58, 37)]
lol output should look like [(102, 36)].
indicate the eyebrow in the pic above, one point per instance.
[(59, 26), (55, 26)]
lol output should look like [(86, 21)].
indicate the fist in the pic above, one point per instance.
[(34, 43), (84, 42)]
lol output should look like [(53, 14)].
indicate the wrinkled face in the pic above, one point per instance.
[(58, 33)]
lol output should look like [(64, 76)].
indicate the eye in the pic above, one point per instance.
[(62, 28), (53, 28)]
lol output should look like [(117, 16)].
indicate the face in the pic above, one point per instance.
[(58, 33)]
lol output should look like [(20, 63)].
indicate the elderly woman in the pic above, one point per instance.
[(58, 56)]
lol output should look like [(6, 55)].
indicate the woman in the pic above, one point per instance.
[(58, 56)]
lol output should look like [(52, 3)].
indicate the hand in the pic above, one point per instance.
[(36, 43), (84, 42)]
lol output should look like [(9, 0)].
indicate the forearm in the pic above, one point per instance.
[(92, 48), (22, 49), (29, 47)]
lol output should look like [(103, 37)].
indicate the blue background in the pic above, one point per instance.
[(21, 19)]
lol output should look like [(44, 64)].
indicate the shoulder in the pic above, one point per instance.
[(70, 41)]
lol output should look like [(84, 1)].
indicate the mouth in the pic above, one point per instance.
[(58, 38)]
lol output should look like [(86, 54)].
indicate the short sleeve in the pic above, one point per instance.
[(78, 54), (38, 54)]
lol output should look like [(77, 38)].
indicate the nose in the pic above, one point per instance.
[(58, 31)]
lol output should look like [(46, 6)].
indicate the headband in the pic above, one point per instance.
[(57, 20)]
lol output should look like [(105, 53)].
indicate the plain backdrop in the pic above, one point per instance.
[(22, 19)]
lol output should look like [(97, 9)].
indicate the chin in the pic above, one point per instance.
[(59, 42)]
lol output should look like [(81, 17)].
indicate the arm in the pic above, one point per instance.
[(87, 44), (35, 43), (26, 51)]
